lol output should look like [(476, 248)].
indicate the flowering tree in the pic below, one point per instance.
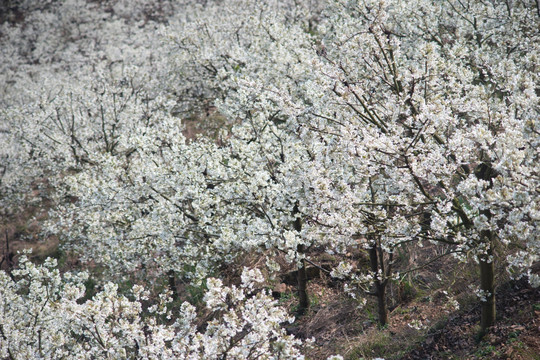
[(150, 209), (99, 135), (428, 123), (60, 62), (372, 124), (43, 314), (166, 204)]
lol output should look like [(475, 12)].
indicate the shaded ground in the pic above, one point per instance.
[(20, 229), (515, 336), (424, 324)]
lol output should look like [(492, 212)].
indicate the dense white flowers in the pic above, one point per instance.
[(43, 313), (376, 124), (395, 123)]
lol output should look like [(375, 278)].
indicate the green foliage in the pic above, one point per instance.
[(124, 287), (195, 293), (91, 290), (285, 297), (513, 336), (314, 300), (487, 350), (407, 290), (383, 344), (55, 252), (377, 345)]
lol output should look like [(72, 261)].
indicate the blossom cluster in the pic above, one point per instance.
[(44, 314)]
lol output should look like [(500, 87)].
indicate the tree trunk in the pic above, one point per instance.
[(487, 285), (380, 286), (485, 172), (303, 299), (381, 302), (172, 284)]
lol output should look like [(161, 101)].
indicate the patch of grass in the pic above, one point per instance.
[(440, 324), (487, 350), (371, 312), (401, 310), (513, 336), (378, 344), (448, 355), (285, 297), (314, 301), (383, 344), (408, 291)]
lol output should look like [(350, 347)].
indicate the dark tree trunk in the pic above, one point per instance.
[(303, 299), (380, 285), (487, 285), (172, 284), (485, 172)]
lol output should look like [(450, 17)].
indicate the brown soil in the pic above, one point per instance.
[(20, 229)]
